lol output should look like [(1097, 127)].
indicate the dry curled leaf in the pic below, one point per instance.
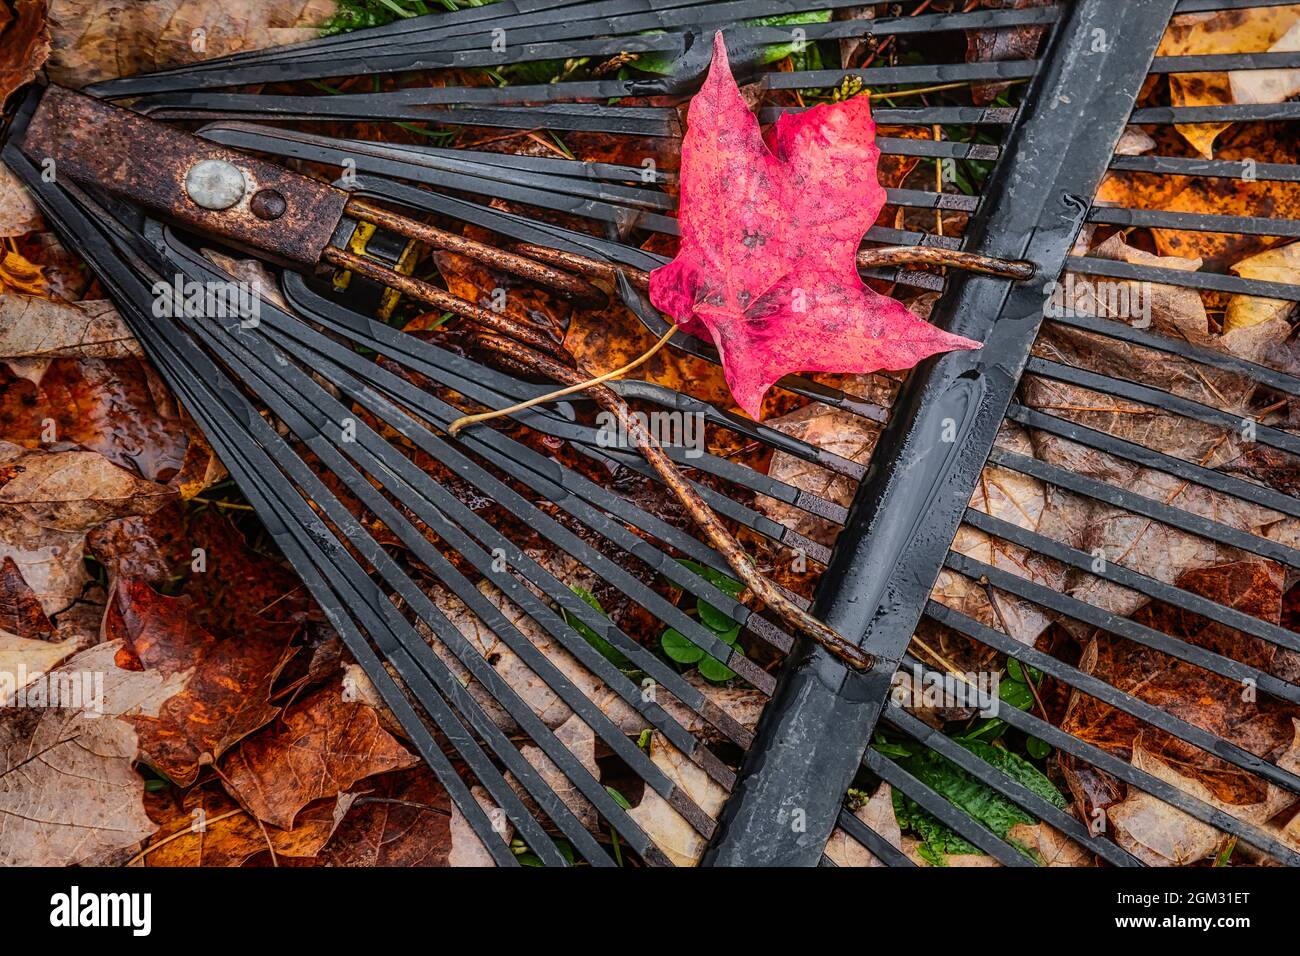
[(1249, 30), (402, 819), (767, 266), (69, 791), (18, 212), (33, 327), (49, 501), (204, 827), (21, 613), (669, 830)]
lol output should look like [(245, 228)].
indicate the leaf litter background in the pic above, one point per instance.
[(125, 550)]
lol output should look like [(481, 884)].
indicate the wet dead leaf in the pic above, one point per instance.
[(319, 749), (1250, 30), (26, 45), (101, 39), (18, 212), (49, 501), (204, 827), (227, 682), (21, 613), (665, 826), (402, 819), (69, 793), (1280, 264)]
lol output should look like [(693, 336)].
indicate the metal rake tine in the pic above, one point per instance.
[(525, 511), (242, 358), (543, 479), (591, 443), (163, 348), (420, 494)]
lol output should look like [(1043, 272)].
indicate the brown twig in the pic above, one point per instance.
[(867, 259), (703, 516), (570, 286), (440, 298)]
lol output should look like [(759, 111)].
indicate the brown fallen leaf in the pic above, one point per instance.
[(69, 791), (878, 815), (678, 840), (49, 501), (117, 407), (1161, 835), (20, 275), (101, 39), (1245, 143), (234, 588), (320, 748), (227, 682), (18, 212), (205, 827), (466, 847), (1262, 725), (21, 613), (1280, 264), (38, 328), (26, 45), (1007, 43), (403, 819)]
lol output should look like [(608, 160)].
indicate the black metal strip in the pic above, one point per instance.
[(1147, 507), (1004, 784), (1108, 694), (1239, 488), (1196, 222), (813, 733), (1221, 62), (1216, 282), (889, 854), (1218, 168), (1121, 626), (470, 50), (235, 445), (1236, 113)]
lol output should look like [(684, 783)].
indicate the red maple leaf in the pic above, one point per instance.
[(770, 231)]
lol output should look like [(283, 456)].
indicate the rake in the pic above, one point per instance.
[(371, 448)]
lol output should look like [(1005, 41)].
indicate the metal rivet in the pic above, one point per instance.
[(215, 184), (267, 204)]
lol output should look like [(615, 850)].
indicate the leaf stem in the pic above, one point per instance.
[(465, 420)]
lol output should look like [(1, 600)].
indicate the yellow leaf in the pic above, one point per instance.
[(1281, 264), (1253, 30)]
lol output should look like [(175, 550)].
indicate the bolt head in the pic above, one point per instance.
[(267, 204), (215, 184)]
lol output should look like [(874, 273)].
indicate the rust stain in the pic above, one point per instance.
[(146, 162)]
